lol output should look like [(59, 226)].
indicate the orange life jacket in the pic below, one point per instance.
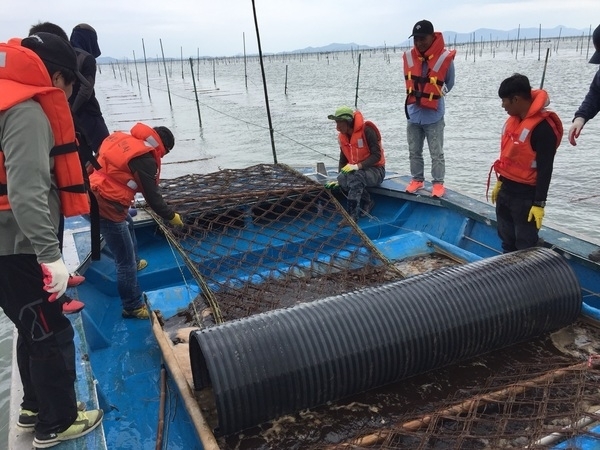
[(23, 76), (425, 89), (356, 149), (517, 158), (114, 181)]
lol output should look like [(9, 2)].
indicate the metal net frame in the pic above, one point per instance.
[(534, 407), (268, 237)]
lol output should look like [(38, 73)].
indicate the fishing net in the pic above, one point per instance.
[(267, 237), (536, 406)]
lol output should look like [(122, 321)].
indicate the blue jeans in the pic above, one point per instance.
[(416, 134), (120, 238)]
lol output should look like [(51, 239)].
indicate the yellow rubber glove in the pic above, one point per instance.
[(536, 213), (495, 191), (176, 220), (332, 185), (349, 168)]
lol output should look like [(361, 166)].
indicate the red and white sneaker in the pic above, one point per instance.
[(438, 190), (72, 306), (414, 186)]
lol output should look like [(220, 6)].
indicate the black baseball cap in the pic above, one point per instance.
[(55, 50), (595, 59), (422, 28)]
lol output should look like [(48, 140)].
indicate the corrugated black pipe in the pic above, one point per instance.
[(287, 360)]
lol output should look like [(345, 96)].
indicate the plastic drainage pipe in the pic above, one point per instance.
[(287, 360)]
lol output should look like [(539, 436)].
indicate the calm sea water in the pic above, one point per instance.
[(235, 129)]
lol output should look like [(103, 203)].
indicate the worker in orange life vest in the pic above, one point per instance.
[(41, 176), (362, 160), (429, 76), (530, 137), (130, 163)]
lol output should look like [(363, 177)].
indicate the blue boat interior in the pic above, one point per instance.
[(400, 226)]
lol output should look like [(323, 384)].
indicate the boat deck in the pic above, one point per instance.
[(130, 353)]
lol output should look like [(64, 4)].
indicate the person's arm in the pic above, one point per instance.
[(84, 93), (450, 77), (543, 142), (144, 170), (26, 142), (374, 149), (343, 160), (591, 103)]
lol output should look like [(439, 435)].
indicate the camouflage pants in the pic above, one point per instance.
[(354, 183)]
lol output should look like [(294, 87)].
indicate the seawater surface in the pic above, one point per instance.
[(304, 89)]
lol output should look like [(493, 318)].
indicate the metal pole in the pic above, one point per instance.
[(262, 69), (195, 92), (166, 74), (545, 64), (245, 63), (357, 79)]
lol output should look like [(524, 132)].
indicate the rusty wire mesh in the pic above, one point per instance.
[(267, 237), (513, 411)]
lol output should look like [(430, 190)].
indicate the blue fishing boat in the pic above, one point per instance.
[(272, 302)]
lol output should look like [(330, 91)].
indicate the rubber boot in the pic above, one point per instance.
[(353, 209)]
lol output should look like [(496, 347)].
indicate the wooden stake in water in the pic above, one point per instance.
[(195, 92), (545, 65), (587, 52), (166, 75), (518, 35), (245, 64), (214, 73), (357, 79), (137, 74), (146, 65), (264, 78), (540, 43), (182, 77), (286, 72)]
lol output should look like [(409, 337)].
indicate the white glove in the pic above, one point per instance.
[(575, 129), (56, 277)]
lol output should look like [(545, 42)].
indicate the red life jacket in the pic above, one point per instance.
[(23, 76), (517, 158), (356, 149), (114, 181), (425, 89)]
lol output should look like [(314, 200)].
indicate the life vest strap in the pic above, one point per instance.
[(63, 149)]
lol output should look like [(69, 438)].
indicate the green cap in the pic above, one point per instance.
[(342, 113)]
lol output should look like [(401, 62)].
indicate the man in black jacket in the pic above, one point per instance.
[(588, 110)]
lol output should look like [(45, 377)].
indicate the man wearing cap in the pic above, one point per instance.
[(130, 163), (362, 161), (40, 178), (588, 109), (429, 76)]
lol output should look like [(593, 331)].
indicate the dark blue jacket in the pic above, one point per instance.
[(591, 103)]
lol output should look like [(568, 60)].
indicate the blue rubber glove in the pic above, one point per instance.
[(332, 185), (536, 213), (349, 168)]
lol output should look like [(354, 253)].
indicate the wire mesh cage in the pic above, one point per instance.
[(268, 237)]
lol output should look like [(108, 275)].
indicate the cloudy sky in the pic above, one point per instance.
[(218, 27)]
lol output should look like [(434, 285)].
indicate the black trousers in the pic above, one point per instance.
[(45, 348), (514, 230)]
